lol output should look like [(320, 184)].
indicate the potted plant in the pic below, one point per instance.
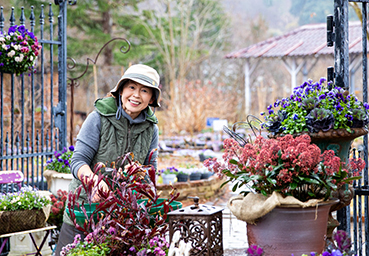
[(182, 176), (23, 210), (205, 174), (284, 171), (169, 174), (329, 116), (129, 215), (57, 173), (19, 49), (195, 175)]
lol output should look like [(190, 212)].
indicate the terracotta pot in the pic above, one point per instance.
[(287, 230)]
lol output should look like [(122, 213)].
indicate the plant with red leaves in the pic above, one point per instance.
[(122, 219), (287, 165)]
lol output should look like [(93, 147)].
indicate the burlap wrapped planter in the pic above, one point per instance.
[(15, 221)]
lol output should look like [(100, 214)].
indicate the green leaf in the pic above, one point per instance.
[(348, 180), (293, 186), (233, 161)]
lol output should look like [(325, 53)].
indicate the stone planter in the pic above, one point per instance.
[(169, 178), (56, 180)]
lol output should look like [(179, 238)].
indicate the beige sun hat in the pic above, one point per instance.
[(144, 75)]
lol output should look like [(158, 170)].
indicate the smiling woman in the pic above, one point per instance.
[(122, 123)]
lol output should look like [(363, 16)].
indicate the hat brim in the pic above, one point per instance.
[(124, 79)]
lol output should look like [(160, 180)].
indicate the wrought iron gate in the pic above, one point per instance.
[(33, 109), (354, 219)]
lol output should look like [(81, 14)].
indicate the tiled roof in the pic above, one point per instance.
[(303, 41)]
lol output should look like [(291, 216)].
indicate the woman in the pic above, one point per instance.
[(120, 123)]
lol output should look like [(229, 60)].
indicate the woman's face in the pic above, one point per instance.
[(135, 98)]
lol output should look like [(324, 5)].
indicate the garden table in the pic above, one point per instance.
[(29, 232)]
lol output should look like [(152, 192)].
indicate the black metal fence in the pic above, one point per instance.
[(33, 107), (354, 219)]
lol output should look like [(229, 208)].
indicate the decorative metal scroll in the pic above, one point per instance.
[(73, 81), (252, 122), (70, 2)]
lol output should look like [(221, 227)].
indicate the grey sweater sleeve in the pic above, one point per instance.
[(87, 144)]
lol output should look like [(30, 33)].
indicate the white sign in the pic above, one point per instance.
[(218, 124)]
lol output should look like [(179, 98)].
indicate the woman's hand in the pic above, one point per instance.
[(102, 186), (85, 173)]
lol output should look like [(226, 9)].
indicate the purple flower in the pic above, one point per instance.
[(12, 29), (295, 117), (254, 250), (321, 81), (132, 249), (112, 231), (31, 35), (322, 97), (89, 238), (349, 117), (152, 242), (71, 148), (158, 251), (336, 253), (271, 111), (77, 238), (21, 29)]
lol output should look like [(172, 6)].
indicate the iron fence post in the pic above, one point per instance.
[(341, 49)]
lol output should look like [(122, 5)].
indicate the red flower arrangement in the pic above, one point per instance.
[(57, 209), (287, 165)]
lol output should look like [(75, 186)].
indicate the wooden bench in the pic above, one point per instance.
[(16, 177)]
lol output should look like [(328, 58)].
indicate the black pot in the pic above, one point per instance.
[(195, 176), (182, 177), (205, 175)]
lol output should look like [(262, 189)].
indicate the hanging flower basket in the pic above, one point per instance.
[(19, 49)]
